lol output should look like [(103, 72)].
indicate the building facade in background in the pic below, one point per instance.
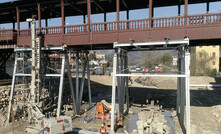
[(205, 60)]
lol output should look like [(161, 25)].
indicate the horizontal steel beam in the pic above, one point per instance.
[(155, 43), (153, 75), (208, 85), (48, 75), (59, 48), (84, 132)]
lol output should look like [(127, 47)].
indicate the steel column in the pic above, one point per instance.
[(179, 82), (77, 79), (12, 88), (82, 84), (113, 92), (119, 78), (187, 84), (123, 65), (127, 88), (89, 82), (61, 87), (71, 83)]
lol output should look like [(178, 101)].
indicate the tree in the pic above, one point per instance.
[(92, 56), (166, 60)]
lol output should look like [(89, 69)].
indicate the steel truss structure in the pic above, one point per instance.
[(120, 76)]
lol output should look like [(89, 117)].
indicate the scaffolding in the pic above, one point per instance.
[(120, 76)]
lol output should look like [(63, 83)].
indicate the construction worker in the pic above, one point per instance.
[(85, 116), (103, 129), (103, 118)]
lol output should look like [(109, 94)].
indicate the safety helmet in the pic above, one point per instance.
[(102, 125)]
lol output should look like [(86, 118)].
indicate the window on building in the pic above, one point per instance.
[(201, 46), (214, 46), (214, 63), (200, 55), (214, 54)]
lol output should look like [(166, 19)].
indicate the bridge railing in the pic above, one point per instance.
[(6, 35), (143, 24), (25, 32), (204, 19), (104, 27), (134, 24), (76, 29), (165, 22)]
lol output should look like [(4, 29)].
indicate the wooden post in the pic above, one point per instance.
[(62, 16), (150, 13), (118, 13), (39, 16), (186, 11)]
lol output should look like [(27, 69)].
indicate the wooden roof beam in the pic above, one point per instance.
[(98, 5), (75, 8), (125, 4)]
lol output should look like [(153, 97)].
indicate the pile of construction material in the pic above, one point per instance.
[(146, 81), (151, 120), (216, 111)]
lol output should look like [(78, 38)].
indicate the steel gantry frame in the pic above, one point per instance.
[(120, 77)]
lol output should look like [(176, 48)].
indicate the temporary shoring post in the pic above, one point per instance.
[(82, 83), (77, 80), (61, 87), (187, 83), (70, 81), (12, 89), (89, 82), (113, 91)]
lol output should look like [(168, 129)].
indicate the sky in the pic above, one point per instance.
[(215, 7)]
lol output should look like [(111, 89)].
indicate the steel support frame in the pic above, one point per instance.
[(64, 61), (183, 89)]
